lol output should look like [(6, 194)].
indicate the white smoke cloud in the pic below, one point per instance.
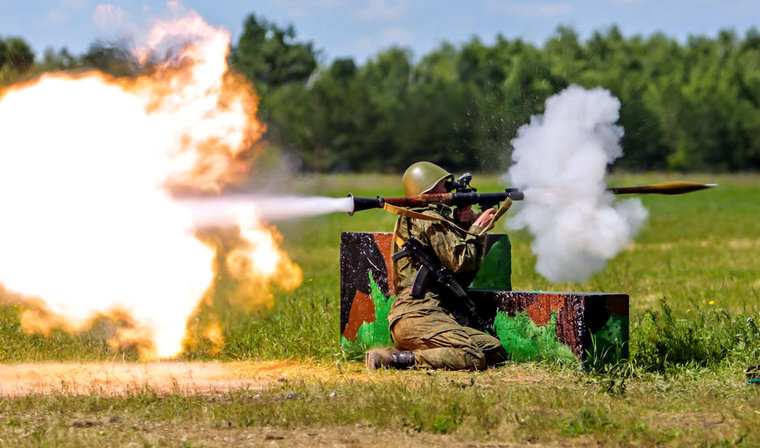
[(560, 163)]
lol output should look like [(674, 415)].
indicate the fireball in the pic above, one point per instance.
[(90, 166)]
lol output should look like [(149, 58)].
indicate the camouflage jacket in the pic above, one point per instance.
[(460, 252)]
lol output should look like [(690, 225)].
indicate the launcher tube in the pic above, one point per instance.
[(487, 200), (423, 200)]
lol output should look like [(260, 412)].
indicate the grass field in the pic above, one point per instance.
[(693, 275)]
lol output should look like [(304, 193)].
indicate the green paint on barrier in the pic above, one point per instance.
[(377, 333), (525, 341), (371, 334), (610, 343), (495, 272)]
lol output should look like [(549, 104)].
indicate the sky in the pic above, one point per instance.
[(361, 28)]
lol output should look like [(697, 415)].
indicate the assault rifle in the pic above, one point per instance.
[(430, 269), (463, 195)]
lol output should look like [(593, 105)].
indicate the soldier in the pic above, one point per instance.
[(429, 331)]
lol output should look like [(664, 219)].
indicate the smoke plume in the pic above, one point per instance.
[(560, 163)]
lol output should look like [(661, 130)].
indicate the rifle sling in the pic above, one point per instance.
[(409, 213), (417, 215)]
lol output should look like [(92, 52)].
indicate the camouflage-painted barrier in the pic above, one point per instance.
[(531, 325)]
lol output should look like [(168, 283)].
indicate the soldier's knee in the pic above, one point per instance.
[(401, 335)]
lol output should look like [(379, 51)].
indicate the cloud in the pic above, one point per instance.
[(531, 10), (386, 37), (365, 44), (325, 4), (383, 10), (107, 16), (55, 17), (60, 15), (76, 5), (396, 35), (297, 13), (299, 9)]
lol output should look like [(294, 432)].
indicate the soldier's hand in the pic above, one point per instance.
[(485, 219), (464, 215)]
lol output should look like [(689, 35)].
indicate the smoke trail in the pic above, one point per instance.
[(560, 163), (223, 211)]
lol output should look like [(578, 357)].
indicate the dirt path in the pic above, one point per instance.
[(119, 378)]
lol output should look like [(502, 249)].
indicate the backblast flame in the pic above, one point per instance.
[(89, 167)]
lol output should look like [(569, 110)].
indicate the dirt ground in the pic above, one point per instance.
[(358, 436), (118, 378), (211, 378)]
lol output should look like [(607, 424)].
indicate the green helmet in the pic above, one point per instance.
[(422, 177)]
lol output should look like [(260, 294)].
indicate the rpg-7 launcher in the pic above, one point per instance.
[(465, 195)]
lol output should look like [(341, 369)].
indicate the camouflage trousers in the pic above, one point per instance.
[(440, 342)]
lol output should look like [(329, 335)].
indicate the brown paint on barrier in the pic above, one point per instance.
[(540, 311), (570, 324), (360, 257), (362, 310), (384, 241)]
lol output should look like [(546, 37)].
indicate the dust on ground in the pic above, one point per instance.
[(164, 377), (120, 378)]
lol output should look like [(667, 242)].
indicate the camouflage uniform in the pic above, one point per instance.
[(430, 326)]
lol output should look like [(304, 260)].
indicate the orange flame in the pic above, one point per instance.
[(89, 165)]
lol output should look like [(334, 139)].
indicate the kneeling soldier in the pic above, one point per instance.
[(426, 324)]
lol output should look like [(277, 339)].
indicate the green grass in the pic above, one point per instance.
[(532, 404), (695, 261), (693, 275)]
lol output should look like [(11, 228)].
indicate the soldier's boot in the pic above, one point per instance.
[(388, 358)]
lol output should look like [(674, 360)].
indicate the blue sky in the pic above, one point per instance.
[(361, 28)]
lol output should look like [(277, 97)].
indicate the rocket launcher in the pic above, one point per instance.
[(466, 195)]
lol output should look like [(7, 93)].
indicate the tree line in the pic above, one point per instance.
[(16, 57), (692, 106)]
